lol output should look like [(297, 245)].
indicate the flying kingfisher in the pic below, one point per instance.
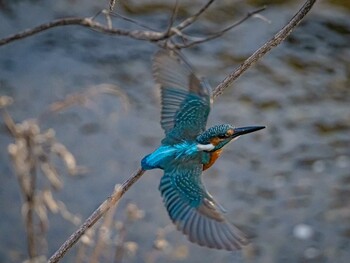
[(187, 150)]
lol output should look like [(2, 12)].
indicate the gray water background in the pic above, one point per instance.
[(295, 173)]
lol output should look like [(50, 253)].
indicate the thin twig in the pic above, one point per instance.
[(173, 17), (273, 42), (220, 33), (96, 215), (189, 21), (115, 14)]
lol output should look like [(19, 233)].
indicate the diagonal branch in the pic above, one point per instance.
[(95, 216), (273, 42), (133, 21), (114, 198)]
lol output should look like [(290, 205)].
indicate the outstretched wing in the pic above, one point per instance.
[(185, 99), (193, 211)]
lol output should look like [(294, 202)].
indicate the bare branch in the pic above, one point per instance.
[(220, 33), (273, 42), (85, 22), (96, 215), (115, 14), (150, 35)]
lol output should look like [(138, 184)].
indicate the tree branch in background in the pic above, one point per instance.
[(219, 33), (145, 35)]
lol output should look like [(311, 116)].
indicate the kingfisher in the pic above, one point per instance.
[(187, 150)]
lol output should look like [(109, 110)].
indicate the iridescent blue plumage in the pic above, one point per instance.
[(185, 99), (187, 150)]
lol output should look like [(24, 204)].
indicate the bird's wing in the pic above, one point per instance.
[(193, 211), (185, 98)]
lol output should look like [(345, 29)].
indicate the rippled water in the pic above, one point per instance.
[(288, 186)]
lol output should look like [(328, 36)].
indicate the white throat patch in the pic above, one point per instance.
[(205, 147)]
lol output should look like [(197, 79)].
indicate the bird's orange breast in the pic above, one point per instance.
[(213, 157)]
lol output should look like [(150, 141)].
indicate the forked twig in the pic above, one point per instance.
[(89, 22), (221, 32)]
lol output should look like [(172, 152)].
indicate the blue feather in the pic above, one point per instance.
[(186, 102), (166, 154), (193, 211)]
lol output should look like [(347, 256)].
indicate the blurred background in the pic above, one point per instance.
[(288, 186)]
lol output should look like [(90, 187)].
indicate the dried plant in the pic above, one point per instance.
[(123, 247), (34, 154), (108, 240)]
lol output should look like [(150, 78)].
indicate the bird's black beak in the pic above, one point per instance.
[(245, 130)]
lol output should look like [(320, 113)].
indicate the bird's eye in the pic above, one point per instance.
[(229, 133)]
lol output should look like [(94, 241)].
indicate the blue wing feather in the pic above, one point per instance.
[(186, 100), (193, 211)]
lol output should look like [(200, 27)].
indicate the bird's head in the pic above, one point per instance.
[(218, 136)]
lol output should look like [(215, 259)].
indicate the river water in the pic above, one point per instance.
[(288, 186)]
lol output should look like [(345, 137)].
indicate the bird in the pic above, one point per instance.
[(187, 150)]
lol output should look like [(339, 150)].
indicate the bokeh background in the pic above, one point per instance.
[(288, 185)]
